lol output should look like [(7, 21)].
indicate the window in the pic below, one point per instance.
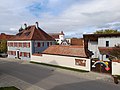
[(27, 33), (14, 53), (25, 54), (47, 43), (24, 44), (35, 44), (11, 52), (50, 43), (28, 55), (11, 44), (43, 44), (28, 44), (107, 43), (20, 54), (15, 44), (80, 62), (38, 44), (20, 44)]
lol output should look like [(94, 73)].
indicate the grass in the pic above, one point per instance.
[(9, 88), (62, 67)]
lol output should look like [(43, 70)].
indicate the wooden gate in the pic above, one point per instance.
[(101, 66)]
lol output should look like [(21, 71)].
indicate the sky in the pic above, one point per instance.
[(73, 17)]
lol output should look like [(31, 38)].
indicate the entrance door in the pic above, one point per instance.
[(18, 54)]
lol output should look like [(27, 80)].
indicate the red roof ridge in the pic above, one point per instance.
[(4, 36), (72, 50), (71, 46), (33, 33)]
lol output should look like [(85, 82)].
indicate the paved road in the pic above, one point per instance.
[(27, 76)]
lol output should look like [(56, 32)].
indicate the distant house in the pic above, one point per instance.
[(30, 40), (75, 41), (100, 44), (59, 37), (65, 42), (3, 42), (66, 56)]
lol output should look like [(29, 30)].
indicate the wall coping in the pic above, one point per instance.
[(116, 61)]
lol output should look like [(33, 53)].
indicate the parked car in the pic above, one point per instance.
[(4, 55)]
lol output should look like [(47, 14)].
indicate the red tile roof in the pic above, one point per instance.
[(56, 35), (77, 51), (32, 33), (107, 50), (95, 37), (5, 36)]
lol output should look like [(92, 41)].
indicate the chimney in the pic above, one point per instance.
[(62, 33), (25, 25), (37, 24)]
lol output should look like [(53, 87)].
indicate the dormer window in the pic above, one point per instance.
[(27, 33)]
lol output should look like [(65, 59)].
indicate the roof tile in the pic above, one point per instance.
[(32, 33), (66, 50)]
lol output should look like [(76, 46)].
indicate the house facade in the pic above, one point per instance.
[(30, 40), (96, 43), (59, 37)]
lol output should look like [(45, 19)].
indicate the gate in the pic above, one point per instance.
[(101, 66)]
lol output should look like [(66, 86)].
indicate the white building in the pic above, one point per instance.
[(59, 37), (99, 43)]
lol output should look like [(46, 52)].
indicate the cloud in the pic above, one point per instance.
[(114, 25), (71, 16)]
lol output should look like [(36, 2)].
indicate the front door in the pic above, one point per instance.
[(18, 54)]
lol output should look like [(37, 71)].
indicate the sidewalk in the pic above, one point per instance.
[(88, 75)]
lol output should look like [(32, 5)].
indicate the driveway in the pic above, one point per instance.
[(28, 76)]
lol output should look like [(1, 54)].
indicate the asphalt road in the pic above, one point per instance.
[(37, 77)]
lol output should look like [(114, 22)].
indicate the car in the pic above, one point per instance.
[(4, 55)]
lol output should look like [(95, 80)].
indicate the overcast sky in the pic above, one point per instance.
[(74, 17)]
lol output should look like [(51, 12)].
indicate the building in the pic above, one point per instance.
[(65, 42), (3, 42), (59, 37), (65, 56), (101, 43), (30, 40), (75, 41)]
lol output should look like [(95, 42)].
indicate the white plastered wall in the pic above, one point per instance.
[(115, 68), (62, 61)]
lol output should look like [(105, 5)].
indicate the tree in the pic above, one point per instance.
[(106, 31), (3, 46)]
